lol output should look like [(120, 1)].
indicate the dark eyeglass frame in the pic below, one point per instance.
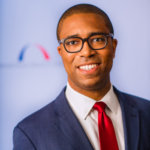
[(86, 40)]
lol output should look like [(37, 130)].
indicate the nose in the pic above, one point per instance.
[(87, 51)]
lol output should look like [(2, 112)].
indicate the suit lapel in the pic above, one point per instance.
[(70, 126), (130, 121)]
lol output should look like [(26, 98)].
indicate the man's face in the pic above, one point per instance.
[(88, 69)]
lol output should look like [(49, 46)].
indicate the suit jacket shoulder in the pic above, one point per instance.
[(136, 121), (52, 127), (139, 103)]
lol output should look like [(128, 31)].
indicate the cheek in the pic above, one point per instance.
[(68, 61), (107, 59)]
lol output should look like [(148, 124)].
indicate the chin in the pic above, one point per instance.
[(90, 86), (95, 84)]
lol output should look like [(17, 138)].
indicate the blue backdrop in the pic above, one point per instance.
[(31, 72)]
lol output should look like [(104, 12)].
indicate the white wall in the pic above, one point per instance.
[(27, 86)]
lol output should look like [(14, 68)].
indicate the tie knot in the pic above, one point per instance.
[(100, 106)]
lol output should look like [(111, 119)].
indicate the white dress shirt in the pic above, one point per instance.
[(82, 107)]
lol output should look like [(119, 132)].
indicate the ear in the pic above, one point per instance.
[(115, 42), (59, 49)]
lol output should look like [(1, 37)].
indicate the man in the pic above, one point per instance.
[(89, 114)]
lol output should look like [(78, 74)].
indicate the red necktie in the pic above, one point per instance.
[(107, 136)]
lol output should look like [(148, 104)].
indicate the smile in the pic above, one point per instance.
[(88, 67)]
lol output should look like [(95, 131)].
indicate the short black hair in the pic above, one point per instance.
[(83, 8)]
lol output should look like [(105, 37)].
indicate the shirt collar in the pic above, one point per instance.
[(111, 100), (82, 105)]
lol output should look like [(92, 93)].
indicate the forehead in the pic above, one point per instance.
[(83, 24)]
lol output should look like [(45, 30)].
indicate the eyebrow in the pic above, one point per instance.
[(89, 34), (95, 33), (74, 35)]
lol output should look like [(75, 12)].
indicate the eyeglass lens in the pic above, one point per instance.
[(75, 44)]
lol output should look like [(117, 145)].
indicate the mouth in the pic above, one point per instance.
[(89, 67)]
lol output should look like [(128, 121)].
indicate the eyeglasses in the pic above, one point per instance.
[(96, 41)]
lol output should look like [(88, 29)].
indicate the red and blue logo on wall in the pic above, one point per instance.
[(37, 47)]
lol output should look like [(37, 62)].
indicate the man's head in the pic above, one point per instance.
[(87, 48), (83, 8)]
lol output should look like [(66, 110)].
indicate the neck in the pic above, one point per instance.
[(96, 94)]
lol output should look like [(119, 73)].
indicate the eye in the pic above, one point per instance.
[(98, 39), (71, 42)]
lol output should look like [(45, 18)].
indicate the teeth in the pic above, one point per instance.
[(88, 67)]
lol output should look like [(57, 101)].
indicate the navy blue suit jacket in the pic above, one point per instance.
[(55, 126)]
